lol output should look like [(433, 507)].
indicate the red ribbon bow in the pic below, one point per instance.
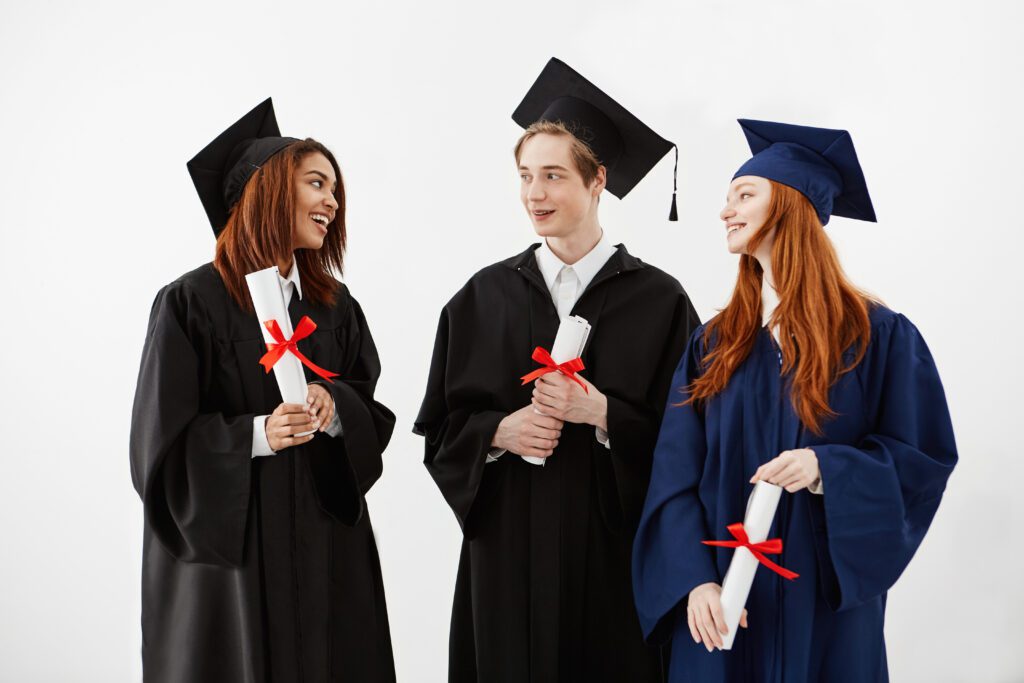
[(569, 368), (275, 351), (772, 547)]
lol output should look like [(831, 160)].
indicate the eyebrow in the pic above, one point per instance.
[(321, 175), (738, 188), (552, 167)]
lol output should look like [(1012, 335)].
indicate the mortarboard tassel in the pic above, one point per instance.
[(673, 214)]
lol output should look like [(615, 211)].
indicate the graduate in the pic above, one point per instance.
[(806, 382), (543, 590), (259, 563)]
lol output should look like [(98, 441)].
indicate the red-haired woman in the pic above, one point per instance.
[(259, 562), (805, 382)]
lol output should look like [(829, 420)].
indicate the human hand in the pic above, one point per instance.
[(556, 395), (792, 470), (527, 432), (320, 405), (287, 420), (705, 617)]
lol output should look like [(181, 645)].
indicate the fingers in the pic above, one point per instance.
[(706, 625), (743, 619), (770, 470), (289, 408), (719, 618), (545, 421), (692, 623)]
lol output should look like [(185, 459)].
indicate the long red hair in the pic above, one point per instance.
[(259, 230), (820, 313)]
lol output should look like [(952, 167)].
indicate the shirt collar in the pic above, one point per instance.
[(586, 268), (293, 277)]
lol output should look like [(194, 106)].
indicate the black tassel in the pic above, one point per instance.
[(673, 214)]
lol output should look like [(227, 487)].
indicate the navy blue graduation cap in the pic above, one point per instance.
[(624, 145), (221, 170), (818, 162)]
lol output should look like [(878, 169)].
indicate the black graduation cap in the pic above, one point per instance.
[(624, 145), (818, 162), (221, 170)]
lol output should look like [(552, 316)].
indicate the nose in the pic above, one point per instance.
[(330, 201), (727, 212), (535, 192)]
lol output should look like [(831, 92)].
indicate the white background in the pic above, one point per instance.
[(102, 104)]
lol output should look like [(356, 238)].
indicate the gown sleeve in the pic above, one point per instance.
[(668, 559), (457, 432), (633, 424), (191, 468), (352, 462), (881, 494)]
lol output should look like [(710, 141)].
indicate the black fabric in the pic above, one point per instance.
[(255, 569), (631, 147), (222, 168), (543, 590)]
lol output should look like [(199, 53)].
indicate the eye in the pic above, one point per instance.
[(745, 195), (524, 177), (317, 184), (554, 176)]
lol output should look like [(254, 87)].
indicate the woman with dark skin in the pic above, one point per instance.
[(259, 562)]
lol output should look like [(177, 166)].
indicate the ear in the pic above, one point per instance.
[(599, 181)]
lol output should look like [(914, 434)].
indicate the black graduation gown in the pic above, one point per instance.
[(543, 590), (255, 569)]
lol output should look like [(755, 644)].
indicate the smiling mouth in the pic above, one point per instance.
[(321, 220), (541, 214), (734, 227)]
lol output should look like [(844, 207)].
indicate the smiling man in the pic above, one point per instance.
[(543, 590)]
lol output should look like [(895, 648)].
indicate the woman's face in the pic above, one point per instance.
[(745, 212), (552, 189), (315, 205)]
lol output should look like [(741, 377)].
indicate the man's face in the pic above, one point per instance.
[(552, 189)]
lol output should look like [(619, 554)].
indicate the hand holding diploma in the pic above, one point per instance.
[(560, 397), (528, 434), (792, 470), (705, 617), (750, 540), (290, 425), (564, 362)]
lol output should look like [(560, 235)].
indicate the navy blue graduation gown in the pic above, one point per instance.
[(884, 464)]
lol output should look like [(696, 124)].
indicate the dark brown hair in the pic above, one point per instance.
[(259, 231)]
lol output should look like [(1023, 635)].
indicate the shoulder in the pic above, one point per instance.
[(491, 279), (887, 324), (194, 288), (659, 279)]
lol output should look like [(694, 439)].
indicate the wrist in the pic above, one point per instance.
[(600, 419)]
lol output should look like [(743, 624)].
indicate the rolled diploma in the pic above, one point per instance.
[(739, 578), (268, 300), (569, 342)]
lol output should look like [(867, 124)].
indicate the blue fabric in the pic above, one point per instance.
[(884, 464), (820, 163)]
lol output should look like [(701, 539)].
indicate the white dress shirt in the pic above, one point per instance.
[(566, 283), (769, 302), (260, 443)]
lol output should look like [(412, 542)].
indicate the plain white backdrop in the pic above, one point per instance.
[(103, 103)]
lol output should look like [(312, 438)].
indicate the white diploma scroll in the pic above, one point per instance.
[(739, 578), (268, 300), (569, 342)]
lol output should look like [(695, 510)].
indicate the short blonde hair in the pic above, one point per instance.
[(583, 156)]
